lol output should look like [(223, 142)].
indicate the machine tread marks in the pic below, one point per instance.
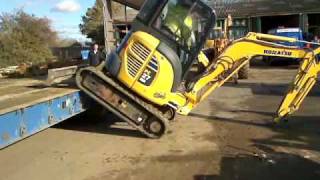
[(147, 106)]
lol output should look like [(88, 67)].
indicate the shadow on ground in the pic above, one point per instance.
[(276, 166), (272, 151), (300, 132), (99, 121), (270, 89)]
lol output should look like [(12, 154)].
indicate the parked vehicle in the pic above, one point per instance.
[(291, 33), (296, 33)]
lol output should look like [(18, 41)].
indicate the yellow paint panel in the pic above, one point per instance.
[(142, 38), (162, 83), (159, 91)]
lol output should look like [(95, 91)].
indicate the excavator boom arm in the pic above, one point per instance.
[(304, 81), (232, 59)]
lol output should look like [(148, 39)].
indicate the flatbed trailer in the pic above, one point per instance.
[(28, 106)]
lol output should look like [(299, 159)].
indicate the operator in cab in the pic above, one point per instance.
[(181, 28)]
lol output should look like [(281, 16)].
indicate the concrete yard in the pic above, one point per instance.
[(229, 136)]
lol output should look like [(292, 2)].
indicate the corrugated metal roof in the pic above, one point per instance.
[(263, 7), (242, 8)]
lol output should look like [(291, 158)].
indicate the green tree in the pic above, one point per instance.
[(92, 21), (25, 38)]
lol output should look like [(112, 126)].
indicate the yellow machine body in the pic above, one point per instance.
[(146, 71), (142, 62), (179, 30)]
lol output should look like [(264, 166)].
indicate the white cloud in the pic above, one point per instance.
[(68, 31), (67, 6)]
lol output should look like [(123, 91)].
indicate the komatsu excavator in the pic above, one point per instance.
[(144, 81)]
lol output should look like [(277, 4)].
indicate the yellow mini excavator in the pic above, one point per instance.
[(144, 80), (140, 80)]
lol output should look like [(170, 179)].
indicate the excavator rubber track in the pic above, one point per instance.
[(116, 98)]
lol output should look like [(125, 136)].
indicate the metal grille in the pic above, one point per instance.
[(134, 63), (153, 64), (140, 50)]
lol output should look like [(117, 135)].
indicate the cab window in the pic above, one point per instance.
[(185, 22)]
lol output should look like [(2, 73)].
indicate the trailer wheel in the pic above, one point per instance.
[(244, 71)]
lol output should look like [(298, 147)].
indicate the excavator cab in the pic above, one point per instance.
[(165, 40), (182, 25)]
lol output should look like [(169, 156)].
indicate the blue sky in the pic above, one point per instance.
[(64, 14)]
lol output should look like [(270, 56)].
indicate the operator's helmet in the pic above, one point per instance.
[(188, 22)]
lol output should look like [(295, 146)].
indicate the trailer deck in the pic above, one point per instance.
[(28, 106)]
